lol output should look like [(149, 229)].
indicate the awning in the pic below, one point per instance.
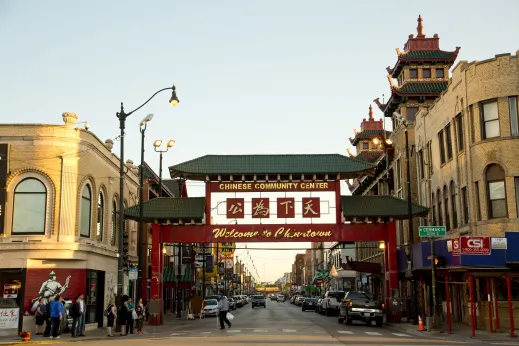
[(364, 267), (170, 275)]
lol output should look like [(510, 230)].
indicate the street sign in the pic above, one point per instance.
[(475, 245), (432, 231), (227, 249)]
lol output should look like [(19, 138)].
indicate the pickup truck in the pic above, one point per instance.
[(331, 301), (361, 306)]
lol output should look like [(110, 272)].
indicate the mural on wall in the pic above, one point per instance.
[(110, 287), (42, 283)]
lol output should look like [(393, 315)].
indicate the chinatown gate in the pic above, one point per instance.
[(273, 198)]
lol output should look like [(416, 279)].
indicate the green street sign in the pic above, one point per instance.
[(432, 231)]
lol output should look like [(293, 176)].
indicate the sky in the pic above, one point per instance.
[(269, 76)]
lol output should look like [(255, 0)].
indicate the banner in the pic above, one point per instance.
[(4, 160), (9, 318)]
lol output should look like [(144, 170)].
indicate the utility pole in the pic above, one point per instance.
[(203, 270), (435, 319)]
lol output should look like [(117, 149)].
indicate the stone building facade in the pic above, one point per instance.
[(60, 229)]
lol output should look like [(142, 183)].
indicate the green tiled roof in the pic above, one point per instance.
[(170, 274), (421, 88), (169, 208), (378, 206), (370, 156), (368, 134), (213, 165), (422, 56)]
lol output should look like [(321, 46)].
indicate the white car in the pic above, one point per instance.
[(211, 309)]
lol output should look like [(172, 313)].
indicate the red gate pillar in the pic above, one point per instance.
[(156, 308), (393, 308)]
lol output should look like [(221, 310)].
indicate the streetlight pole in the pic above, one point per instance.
[(122, 115), (142, 129), (157, 144)]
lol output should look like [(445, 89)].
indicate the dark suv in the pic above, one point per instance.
[(361, 306), (258, 301)]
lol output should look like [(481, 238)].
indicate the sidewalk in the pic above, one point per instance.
[(459, 333)]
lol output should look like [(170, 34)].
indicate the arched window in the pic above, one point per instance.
[(453, 206), (115, 224), (496, 193), (100, 216), (446, 207), (29, 207), (86, 211), (439, 199)]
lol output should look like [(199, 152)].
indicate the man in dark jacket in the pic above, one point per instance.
[(75, 314)]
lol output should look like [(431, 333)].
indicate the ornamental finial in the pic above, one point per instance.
[(419, 28), (370, 112)]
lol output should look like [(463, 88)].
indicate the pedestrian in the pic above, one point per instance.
[(74, 313), (130, 316), (57, 312), (122, 316), (48, 320), (139, 310), (111, 315), (41, 314), (82, 313), (223, 309)]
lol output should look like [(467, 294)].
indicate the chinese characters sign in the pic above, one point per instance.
[(274, 203), (9, 318)]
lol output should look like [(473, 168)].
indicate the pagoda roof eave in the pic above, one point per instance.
[(367, 134), (422, 56)]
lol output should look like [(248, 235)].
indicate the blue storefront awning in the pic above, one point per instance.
[(511, 255)]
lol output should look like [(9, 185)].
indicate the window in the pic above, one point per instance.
[(446, 206), (86, 211), (420, 164), (365, 145), (429, 159), (439, 199), (465, 204), (115, 220), (426, 72), (411, 113), (472, 126), (439, 73), (100, 217), (478, 204), (442, 147), (460, 133), (514, 120), (516, 185), (495, 177), (413, 73), (433, 210), (448, 139), (489, 120), (29, 207), (453, 206)]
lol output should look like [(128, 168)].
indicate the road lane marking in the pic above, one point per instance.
[(259, 330), (400, 334), (344, 332), (176, 334), (373, 333), (288, 330), (234, 331), (205, 332)]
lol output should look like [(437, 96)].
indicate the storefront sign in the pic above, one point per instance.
[(499, 243), (453, 246), (133, 273), (475, 245), (272, 186), (9, 318), (4, 161), (11, 290), (227, 249)]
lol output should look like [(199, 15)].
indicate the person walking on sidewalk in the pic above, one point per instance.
[(139, 310), (111, 315), (41, 315), (122, 316), (74, 313), (223, 309), (82, 313), (130, 316), (57, 312)]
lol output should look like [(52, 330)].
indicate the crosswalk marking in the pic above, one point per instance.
[(234, 331), (205, 332), (175, 334), (400, 334), (259, 330), (345, 332), (288, 330), (373, 333)]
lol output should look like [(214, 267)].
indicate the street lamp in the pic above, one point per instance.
[(122, 115), (157, 144), (410, 232)]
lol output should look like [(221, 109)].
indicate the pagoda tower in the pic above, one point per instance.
[(420, 75)]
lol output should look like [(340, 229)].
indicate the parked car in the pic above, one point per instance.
[(300, 300), (274, 297), (281, 298), (361, 307), (213, 297), (232, 303), (331, 301), (239, 301), (258, 301), (309, 304), (211, 309), (318, 306)]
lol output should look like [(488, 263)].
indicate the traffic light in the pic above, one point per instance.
[(439, 261)]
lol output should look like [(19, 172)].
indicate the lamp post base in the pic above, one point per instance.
[(156, 312)]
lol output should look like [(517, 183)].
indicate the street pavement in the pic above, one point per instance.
[(277, 324)]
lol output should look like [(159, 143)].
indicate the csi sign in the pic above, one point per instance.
[(475, 245)]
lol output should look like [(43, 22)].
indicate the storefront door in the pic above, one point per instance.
[(95, 288)]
